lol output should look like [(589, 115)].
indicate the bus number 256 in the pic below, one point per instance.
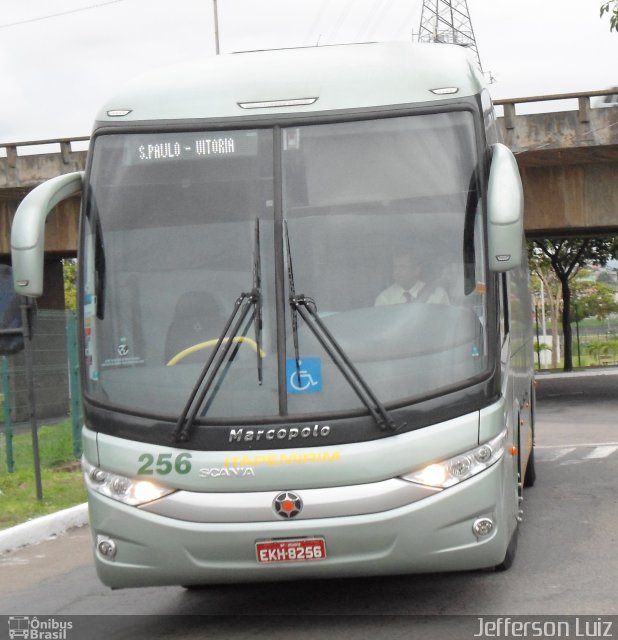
[(164, 464)]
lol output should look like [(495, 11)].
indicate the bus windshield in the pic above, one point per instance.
[(379, 219)]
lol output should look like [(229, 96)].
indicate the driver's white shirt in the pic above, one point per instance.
[(395, 295)]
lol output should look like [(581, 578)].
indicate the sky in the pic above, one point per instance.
[(60, 59)]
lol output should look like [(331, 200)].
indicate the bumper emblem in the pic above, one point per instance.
[(287, 504)]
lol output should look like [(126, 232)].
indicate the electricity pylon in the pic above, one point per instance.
[(448, 21)]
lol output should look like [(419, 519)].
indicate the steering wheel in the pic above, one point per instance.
[(181, 355)]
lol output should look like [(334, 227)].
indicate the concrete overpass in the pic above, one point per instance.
[(26, 165), (23, 166), (568, 161), (569, 164)]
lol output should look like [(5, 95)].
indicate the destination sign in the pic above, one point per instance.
[(192, 146)]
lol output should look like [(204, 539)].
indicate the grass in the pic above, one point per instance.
[(61, 478)]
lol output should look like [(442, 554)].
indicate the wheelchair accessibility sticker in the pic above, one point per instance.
[(307, 378)]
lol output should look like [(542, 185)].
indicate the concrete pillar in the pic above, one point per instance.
[(53, 285)]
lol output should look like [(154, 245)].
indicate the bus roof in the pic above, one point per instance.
[(322, 78)]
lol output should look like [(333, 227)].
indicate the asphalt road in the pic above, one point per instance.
[(566, 562)]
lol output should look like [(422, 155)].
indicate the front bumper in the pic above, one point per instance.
[(431, 535)]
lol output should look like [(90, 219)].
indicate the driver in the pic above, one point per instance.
[(408, 285)]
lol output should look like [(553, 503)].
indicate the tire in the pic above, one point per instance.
[(511, 552), (530, 475)]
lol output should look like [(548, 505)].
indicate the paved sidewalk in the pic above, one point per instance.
[(609, 371), (43, 528)]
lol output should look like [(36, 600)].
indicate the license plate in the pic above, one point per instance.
[(296, 550)]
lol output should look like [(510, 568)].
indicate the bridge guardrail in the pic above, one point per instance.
[(65, 147), (583, 99), (508, 104)]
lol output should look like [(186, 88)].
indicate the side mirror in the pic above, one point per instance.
[(28, 230), (505, 211)]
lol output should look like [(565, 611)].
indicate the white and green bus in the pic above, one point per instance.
[(259, 405)]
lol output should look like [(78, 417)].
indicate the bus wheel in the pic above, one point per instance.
[(511, 551), (530, 475)]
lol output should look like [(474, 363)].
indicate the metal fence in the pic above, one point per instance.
[(57, 392), (592, 344)]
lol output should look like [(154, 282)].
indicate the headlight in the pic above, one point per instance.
[(447, 473), (128, 490)]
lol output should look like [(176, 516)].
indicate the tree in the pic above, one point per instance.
[(69, 269), (566, 257), (592, 300), (541, 267), (611, 8)]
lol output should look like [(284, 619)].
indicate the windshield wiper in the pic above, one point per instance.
[(257, 293), (242, 306), (307, 308), (185, 423), (294, 308)]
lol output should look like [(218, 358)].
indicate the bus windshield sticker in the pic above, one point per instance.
[(291, 139), (89, 305), (123, 357), (305, 379)]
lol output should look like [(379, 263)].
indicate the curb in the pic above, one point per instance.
[(43, 528), (588, 373)]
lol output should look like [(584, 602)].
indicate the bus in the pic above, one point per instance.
[(258, 405)]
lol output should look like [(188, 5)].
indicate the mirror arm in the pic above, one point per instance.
[(28, 230)]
